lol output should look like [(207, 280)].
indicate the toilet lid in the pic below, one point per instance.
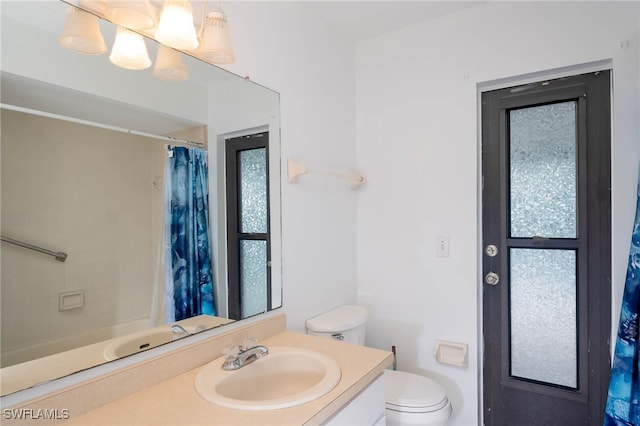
[(412, 393)]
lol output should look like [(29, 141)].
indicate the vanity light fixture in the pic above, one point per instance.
[(215, 41), (175, 28), (169, 65), (129, 50), (81, 33), (132, 14)]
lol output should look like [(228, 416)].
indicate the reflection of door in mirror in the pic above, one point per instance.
[(248, 241)]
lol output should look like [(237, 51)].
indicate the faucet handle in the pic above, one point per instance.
[(230, 352), (249, 342)]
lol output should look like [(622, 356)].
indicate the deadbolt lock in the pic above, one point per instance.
[(491, 250)]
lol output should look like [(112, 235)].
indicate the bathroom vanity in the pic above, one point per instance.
[(161, 391)]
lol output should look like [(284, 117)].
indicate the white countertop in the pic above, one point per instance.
[(176, 402)]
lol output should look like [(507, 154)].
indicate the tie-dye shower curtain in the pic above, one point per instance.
[(189, 278), (623, 403)]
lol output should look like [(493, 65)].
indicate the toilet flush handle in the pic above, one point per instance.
[(338, 336)]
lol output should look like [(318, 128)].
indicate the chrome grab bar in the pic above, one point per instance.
[(60, 256)]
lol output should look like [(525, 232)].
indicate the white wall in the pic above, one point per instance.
[(279, 45), (417, 140)]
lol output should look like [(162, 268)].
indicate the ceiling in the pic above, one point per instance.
[(361, 19)]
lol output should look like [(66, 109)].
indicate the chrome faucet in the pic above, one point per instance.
[(178, 331), (237, 357)]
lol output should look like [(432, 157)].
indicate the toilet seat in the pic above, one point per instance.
[(410, 393)]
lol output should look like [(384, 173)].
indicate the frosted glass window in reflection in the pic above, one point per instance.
[(253, 277), (253, 190), (543, 315), (543, 171)]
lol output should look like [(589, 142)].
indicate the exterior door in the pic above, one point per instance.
[(547, 256)]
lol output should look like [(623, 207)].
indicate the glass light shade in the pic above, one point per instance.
[(133, 14), (176, 28), (129, 50), (81, 33), (169, 65), (215, 45)]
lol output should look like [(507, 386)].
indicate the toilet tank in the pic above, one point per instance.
[(346, 323)]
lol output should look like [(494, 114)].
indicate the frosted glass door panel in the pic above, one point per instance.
[(543, 171), (543, 316), (253, 190), (253, 277)]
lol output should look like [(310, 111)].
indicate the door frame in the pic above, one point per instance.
[(502, 83)]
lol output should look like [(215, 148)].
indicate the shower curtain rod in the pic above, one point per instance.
[(100, 125)]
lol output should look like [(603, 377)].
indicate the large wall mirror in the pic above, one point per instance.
[(85, 151)]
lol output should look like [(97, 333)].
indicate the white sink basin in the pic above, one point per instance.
[(140, 341), (284, 378)]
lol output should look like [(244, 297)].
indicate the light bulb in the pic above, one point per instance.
[(132, 14), (81, 33), (169, 65), (176, 28), (129, 50), (216, 42)]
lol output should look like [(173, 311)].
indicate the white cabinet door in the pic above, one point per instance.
[(365, 409)]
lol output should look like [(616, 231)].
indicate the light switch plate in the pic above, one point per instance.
[(442, 246)]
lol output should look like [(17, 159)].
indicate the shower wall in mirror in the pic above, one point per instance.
[(84, 147)]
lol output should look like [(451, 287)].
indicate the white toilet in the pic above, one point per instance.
[(410, 399)]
